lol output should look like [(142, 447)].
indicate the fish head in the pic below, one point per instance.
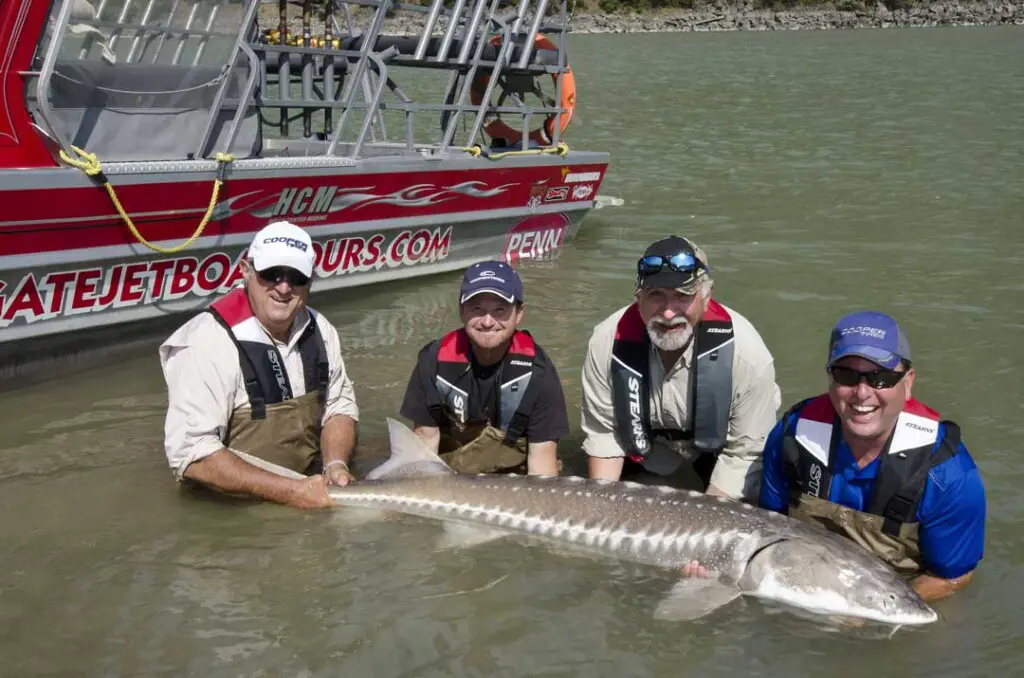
[(834, 576)]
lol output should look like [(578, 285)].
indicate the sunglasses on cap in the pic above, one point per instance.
[(683, 262), (879, 379), (276, 274)]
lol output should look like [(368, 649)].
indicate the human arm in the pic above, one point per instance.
[(431, 436), (200, 399), (227, 473), (339, 425), (752, 414), (952, 534), (548, 421), (932, 588), (337, 443), (414, 404), (597, 416), (542, 459), (774, 492)]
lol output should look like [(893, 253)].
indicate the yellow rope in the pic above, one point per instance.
[(91, 166), (561, 148)]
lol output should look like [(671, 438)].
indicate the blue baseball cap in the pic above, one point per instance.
[(492, 277), (872, 335)]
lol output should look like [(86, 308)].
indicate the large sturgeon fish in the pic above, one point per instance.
[(746, 550)]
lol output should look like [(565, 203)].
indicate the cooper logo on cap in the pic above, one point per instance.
[(872, 335)]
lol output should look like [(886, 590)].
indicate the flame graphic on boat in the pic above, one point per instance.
[(262, 205), (419, 195)]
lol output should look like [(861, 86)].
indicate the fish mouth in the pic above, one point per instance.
[(919, 614)]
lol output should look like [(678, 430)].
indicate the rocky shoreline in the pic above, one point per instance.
[(730, 16), (740, 15)]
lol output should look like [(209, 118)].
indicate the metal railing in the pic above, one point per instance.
[(332, 70)]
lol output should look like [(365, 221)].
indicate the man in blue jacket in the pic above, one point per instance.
[(870, 462)]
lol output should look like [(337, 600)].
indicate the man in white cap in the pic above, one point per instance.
[(258, 377)]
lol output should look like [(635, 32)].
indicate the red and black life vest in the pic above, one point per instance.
[(263, 368), (517, 373), (711, 391)]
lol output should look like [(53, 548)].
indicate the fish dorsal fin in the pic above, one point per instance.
[(410, 457)]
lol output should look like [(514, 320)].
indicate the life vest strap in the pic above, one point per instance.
[(901, 508)]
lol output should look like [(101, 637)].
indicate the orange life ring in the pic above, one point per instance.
[(542, 135)]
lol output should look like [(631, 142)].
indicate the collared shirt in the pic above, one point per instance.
[(205, 384), (753, 411), (951, 512)]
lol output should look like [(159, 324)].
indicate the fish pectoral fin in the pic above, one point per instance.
[(460, 535), (694, 597)]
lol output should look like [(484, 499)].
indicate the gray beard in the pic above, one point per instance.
[(669, 342)]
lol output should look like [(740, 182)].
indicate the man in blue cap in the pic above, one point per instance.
[(870, 462), (486, 397)]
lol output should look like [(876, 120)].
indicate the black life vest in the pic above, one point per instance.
[(711, 391), (518, 371), (809, 450), (263, 369)]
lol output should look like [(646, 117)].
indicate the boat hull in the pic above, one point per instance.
[(69, 262)]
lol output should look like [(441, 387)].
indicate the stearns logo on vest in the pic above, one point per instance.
[(458, 403), (636, 413), (712, 375), (278, 368), (814, 480)]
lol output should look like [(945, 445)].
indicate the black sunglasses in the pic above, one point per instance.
[(880, 378), (277, 274)]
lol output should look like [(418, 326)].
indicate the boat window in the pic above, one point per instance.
[(138, 79)]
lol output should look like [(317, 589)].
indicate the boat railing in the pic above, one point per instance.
[(186, 80)]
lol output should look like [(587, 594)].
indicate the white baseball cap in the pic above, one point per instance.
[(282, 243)]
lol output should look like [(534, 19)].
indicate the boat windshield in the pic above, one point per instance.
[(178, 80)]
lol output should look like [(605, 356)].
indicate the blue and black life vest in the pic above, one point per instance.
[(809, 450)]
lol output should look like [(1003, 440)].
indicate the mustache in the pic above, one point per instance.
[(658, 323)]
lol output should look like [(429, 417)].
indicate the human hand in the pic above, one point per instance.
[(311, 493), (695, 569), (338, 473)]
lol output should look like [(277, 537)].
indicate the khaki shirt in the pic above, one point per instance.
[(755, 403), (205, 384)]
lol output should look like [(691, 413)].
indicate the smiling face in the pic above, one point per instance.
[(670, 315), (868, 414), (490, 321), (275, 302)]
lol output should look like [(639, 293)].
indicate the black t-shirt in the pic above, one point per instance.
[(548, 420)]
